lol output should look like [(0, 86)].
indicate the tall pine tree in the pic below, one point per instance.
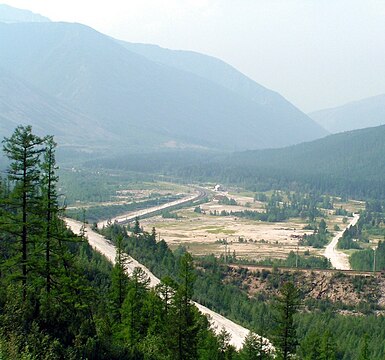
[(286, 305), (23, 149)]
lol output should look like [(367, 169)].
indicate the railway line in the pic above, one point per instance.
[(199, 194), (307, 270)]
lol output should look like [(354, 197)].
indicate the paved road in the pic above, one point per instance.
[(339, 260), (99, 243), (130, 216)]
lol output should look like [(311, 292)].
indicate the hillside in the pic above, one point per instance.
[(21, 103), (355, 115), (338, 288), (223, 74), (349, 163), (145, 104), (358, 151)]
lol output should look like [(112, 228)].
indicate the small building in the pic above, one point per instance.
[(219, 187)]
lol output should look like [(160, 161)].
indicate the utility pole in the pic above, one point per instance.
[(374, 260), (296, 256)]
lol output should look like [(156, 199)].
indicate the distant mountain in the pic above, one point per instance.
[(355, 115), (224, 75), (219, 72), (9, 14), (144, 103)]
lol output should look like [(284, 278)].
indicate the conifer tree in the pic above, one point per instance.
[(137, 228), (51, 207), (133, 316), (23, 149), (119, 279), (153, 235), (166, 290), (311, 345), (186, 326), (224, 348), (364, 351), (250, 349), (327, 347), (286, 305)]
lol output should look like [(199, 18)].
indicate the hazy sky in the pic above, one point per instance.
[(316, 53)]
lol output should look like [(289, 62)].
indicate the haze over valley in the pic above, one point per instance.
[(142, 100), (159, 203)]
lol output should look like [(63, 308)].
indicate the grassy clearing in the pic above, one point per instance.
[(221, 231)]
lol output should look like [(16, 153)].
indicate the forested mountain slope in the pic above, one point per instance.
[(349, 163), (355, 115), (146, 104), (357, 151)]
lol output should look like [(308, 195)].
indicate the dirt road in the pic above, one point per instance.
[(99, 243), (339, 260)]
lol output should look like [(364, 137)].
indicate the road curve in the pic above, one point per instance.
[(338, 259), (130, 216), (105, 247), (219, 322)]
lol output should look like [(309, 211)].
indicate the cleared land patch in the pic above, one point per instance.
[(205, 233)]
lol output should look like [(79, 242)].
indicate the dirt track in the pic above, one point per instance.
[(339, 260)]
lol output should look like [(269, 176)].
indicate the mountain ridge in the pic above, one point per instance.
[(354, 115), (9, 14), (147, 104), (215, 70)]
